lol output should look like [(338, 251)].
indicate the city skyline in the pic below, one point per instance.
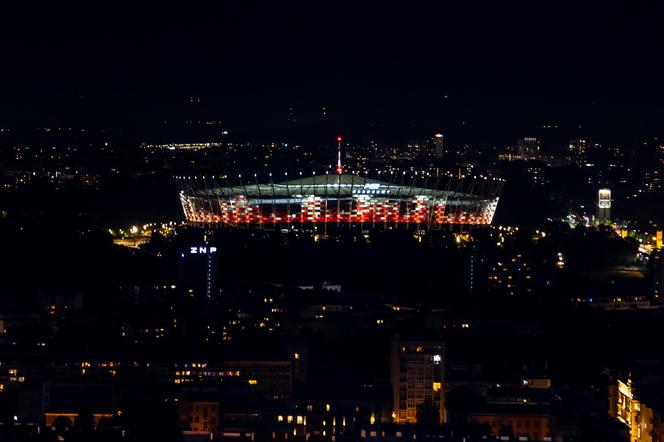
[(332, 222)]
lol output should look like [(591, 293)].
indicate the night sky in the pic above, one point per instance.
[(499, 63)]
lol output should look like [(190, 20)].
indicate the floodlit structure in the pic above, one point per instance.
[(417, 374), (604, 204), (339, 198)]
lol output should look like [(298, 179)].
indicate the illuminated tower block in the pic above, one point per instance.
[(604, 205), (417, 378)]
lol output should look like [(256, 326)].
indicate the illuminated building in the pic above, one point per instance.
[(70, 400), (528, 148), (625, 407), (202, 415), (523, 410), (531, 424), (439, 148), (273, 379), (604, 205), (577, 151), (422, 202), (184, 146), (198, 270), (418, 380)]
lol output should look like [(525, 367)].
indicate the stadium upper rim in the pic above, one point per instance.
[(425, 200)]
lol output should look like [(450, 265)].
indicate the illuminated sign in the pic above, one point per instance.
[(202, 250), (604, 199)]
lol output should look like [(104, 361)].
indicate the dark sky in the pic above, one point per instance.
[(366, 61)]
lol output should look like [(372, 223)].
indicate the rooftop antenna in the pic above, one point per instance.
[(339, 168)]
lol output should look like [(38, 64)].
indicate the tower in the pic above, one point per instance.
[(439, 148), (604, 205), (417, 378), (198, 270), (291, 115), (339, 167)]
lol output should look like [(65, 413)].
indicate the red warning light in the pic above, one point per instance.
[(339, 138)]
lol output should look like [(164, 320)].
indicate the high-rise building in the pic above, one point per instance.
[(604, 205), (626, 408), (439, 151), (291, 115), (657, 274), (198, 268), (418, 381), (528, 147), (477, 271), (577, 150)]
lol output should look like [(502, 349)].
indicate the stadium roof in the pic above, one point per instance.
[(328, 185), (334, 179)]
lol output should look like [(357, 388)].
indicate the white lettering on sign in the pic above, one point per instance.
[(195, 250)]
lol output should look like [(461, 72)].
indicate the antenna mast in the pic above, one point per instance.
[(339, 168)]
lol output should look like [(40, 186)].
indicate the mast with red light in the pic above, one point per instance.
[(339, 168)]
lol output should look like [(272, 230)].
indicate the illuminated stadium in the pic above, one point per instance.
[(390, 200)]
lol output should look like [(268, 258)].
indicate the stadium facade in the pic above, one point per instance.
[(424, 202)]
